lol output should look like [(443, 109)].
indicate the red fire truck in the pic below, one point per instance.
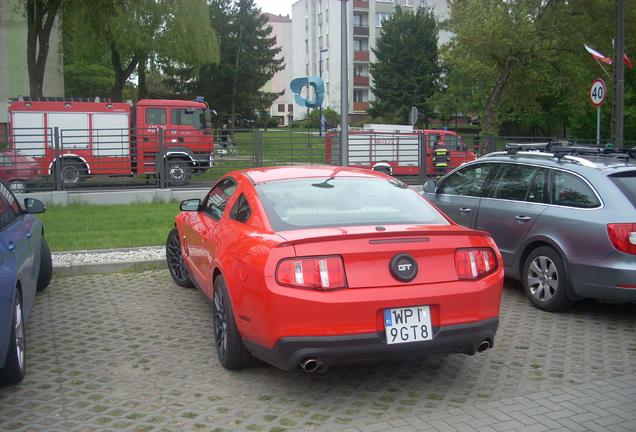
[(82, 138), (394, 149)]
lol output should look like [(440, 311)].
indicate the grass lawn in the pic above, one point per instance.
[(78, 227)]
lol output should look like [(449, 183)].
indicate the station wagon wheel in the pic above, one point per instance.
[(229, 345), (15, 364), (174, 258), (544, 279)]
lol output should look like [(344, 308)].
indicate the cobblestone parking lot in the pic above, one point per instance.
[(132, 351)]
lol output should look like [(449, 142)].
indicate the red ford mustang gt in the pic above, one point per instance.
[(314, 266)]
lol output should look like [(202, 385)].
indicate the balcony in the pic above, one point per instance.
[(361, 30), (361, 80), (360, 106), (361, 56), (360, 4)]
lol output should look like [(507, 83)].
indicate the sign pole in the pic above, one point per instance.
[(598, 125)]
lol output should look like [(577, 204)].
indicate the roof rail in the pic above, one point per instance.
[(563, 147)]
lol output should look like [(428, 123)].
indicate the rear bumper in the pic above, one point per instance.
[(605, 281), (372, 347)]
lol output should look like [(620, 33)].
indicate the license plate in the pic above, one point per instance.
[(408, 324)]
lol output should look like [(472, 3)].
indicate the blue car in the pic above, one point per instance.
[(25, 267)]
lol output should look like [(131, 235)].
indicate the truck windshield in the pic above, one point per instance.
[(188, 117)]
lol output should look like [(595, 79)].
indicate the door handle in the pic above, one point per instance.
[(465, 209), (12, 246), (523, 218)]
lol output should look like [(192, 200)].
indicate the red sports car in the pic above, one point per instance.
[(314, 266)]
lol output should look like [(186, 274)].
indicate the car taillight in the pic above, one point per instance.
[(475, 263), (623, 237), (321, 273)]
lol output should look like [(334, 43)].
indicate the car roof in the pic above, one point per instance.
[(573, 162), (267, 174)]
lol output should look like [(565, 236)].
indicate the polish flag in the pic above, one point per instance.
[(608, 60), (598, 56)]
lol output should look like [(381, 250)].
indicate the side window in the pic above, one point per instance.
[(570, 190), (433, 140), (513, 182), (156, 116), (538, 189), (183, 117), (453, 142), (241, 211), (9, 207), (467, 181), (216, 200)]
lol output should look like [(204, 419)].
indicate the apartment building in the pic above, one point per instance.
[(282, 108), (316, 30)]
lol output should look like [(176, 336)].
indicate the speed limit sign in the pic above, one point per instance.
[(597, 92)]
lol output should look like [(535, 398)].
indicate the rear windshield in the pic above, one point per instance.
[(343, 201), (626, 182)]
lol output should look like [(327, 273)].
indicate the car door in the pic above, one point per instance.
[(17, 246), (458, 194), (201, 232), (512, 203)]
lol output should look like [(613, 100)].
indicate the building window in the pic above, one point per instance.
[(408, 2), (290, 107), (359, 45), (358, 70), (359, 95), (423, 3), (281, 107), (357, 20), (384, 1), (380, 17)]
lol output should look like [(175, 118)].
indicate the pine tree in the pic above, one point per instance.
[(406, 71)]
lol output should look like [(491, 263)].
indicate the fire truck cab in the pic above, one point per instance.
[(86, 137)]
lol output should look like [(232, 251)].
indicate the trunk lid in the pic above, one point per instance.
[(367, 251)]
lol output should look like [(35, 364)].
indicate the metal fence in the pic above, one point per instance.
[(78, 159)]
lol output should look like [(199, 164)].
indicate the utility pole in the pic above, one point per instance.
[(619, 74), (344, 87), (320, 74)]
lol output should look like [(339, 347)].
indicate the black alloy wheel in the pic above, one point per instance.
[(229, 344), (176, 266)]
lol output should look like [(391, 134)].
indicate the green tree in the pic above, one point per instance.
[(521, 65), (406, 71), (41, 15), (135, 33), (248, 60)]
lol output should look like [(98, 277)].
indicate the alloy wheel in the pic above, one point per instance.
[(220, 323), (177, 268), (543, 278), (19, 336)]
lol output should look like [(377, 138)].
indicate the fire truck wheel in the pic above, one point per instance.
[(178, 172), (72, 173)]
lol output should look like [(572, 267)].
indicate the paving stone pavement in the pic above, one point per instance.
[(132, 351)]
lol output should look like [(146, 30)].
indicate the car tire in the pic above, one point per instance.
[(176, 266), (228, 341), (15, 363), (46, 266), (179, 172), (544, 280)]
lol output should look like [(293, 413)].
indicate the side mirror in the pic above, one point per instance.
[(34, 206), (190, 205), (430, 186)]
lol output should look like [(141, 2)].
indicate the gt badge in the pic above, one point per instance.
[(403, 267)]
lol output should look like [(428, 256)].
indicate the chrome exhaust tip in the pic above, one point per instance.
[(309, 365), (483, 346)]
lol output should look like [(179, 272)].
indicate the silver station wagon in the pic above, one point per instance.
[(564, 218)]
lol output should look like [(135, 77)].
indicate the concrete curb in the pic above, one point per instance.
[(110, 267)]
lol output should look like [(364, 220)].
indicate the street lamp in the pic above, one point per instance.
[(320, 74)]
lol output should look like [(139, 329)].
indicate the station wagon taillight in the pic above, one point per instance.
[(320, 273), (475, 263), (623, 236)]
